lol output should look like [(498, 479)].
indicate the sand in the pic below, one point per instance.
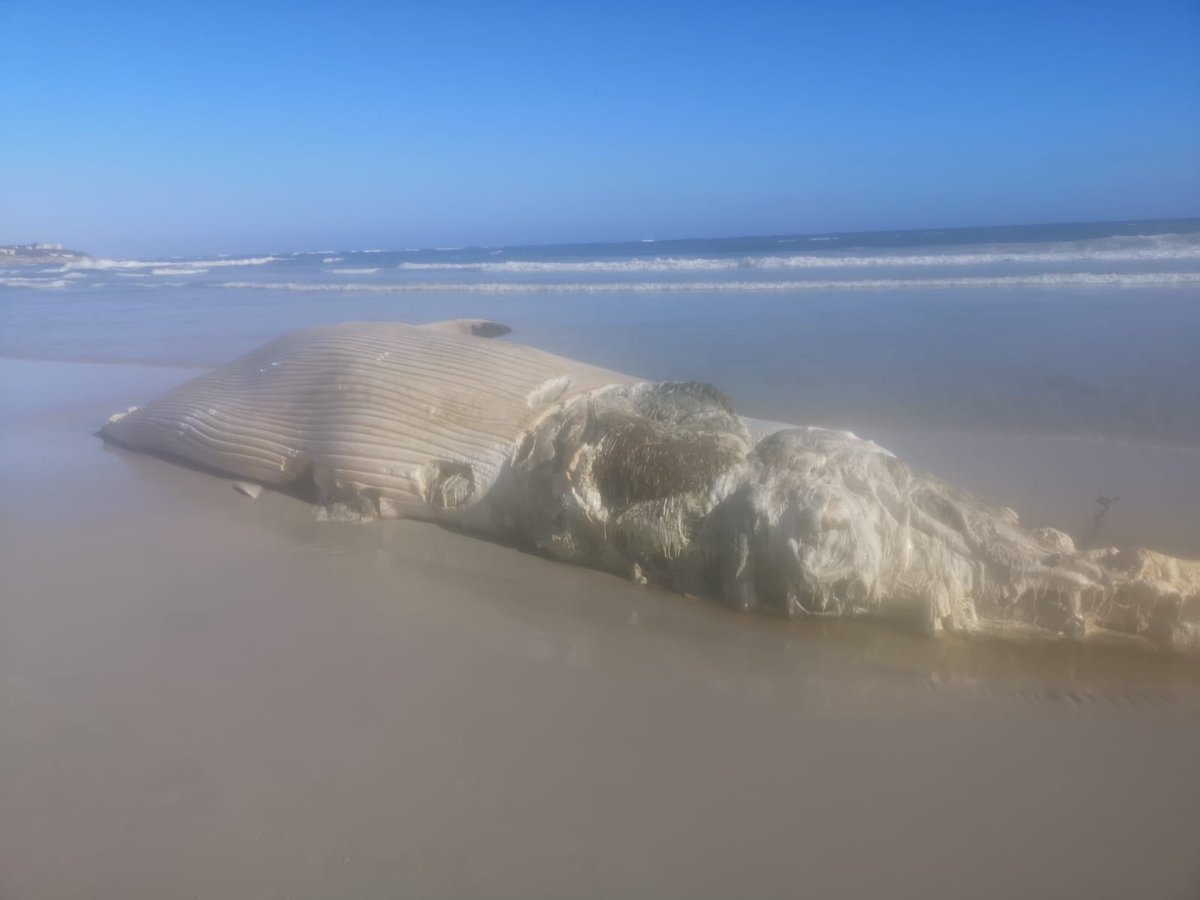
[(203, 695)]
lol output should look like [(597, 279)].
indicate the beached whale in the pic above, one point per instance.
[(661, 482)]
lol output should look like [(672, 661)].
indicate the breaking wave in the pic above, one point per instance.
[(1081, 279), (39, 283), (178, 265), (1163, 248)]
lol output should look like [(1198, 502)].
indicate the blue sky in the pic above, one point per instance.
[(159, 128)]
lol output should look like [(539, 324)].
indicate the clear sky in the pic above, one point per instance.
[(162, 127)]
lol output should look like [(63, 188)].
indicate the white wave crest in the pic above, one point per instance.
[(354, 271), (1071, 279), (38, 283), (175, 270), (106, 264), (332, 259), (532, 266), (1170, 248)]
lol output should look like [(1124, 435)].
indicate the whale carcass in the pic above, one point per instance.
[(660, 482)]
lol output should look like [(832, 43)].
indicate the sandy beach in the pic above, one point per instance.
[(208, 696), (855, 347)]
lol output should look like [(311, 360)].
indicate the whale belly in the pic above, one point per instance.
[(415, 421)]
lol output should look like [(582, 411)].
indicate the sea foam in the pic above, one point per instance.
[(1072, 279), (190, 264), (1163, 248)]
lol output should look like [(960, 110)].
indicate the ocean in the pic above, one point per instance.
[(1088, 329)]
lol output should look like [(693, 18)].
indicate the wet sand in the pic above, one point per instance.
[(207, 696)]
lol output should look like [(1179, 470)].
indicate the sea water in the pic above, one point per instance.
[(1079, 329)]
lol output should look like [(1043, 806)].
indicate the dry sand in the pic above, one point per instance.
[(207, 696)]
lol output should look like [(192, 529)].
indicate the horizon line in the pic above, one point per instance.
[(1194, 220)]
